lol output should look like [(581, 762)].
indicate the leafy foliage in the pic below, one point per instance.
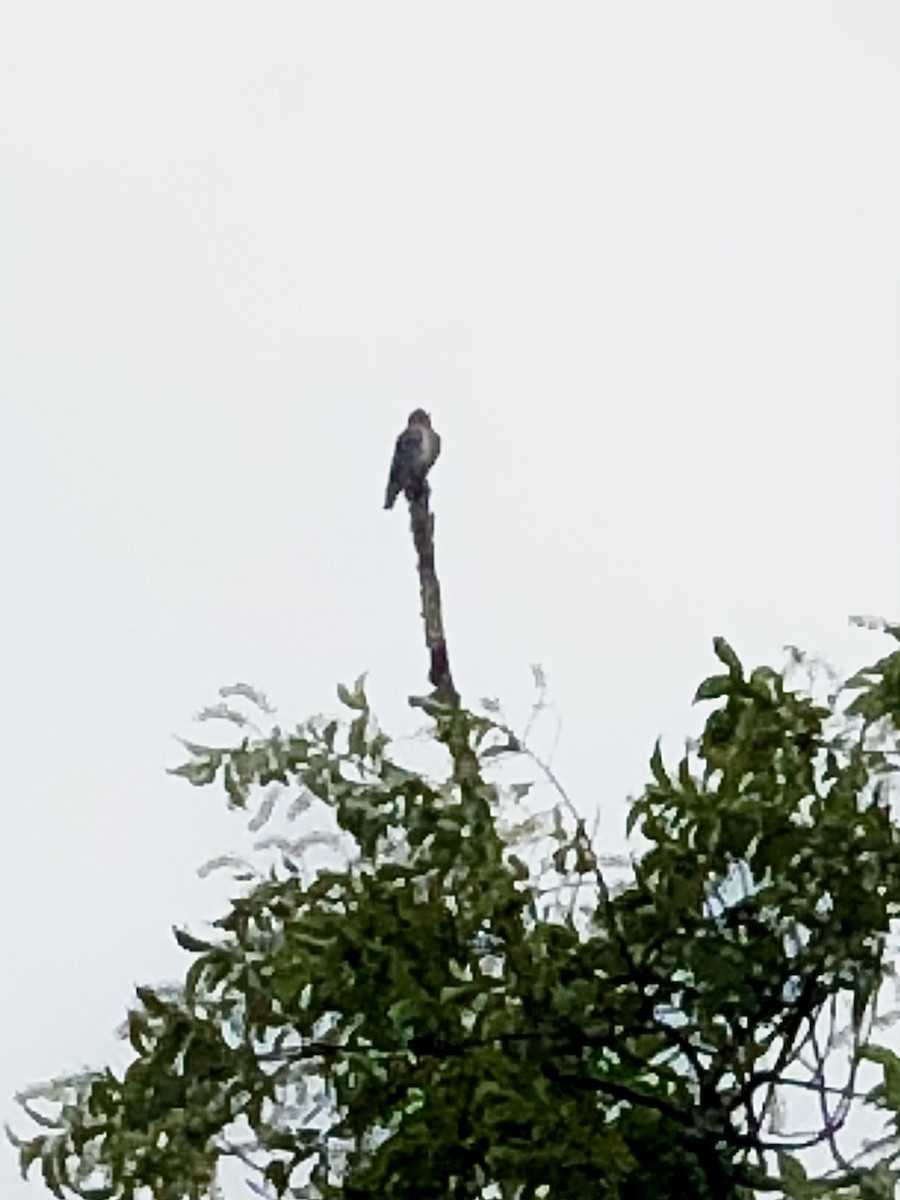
[(417, 999)]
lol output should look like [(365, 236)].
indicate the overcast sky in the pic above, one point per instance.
[(641, 262)]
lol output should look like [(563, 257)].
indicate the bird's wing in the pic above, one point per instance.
[(409, 444), (406, 452)]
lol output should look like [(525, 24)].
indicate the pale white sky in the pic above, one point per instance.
[(641, 263)]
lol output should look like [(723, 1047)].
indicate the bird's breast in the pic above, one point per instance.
[(430, 446)]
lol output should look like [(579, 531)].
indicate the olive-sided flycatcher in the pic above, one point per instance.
[(414, 455)]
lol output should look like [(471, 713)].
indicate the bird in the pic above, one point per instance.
[(415, 453)]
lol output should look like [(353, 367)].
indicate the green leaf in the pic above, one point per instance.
[(354, 698), (187, 941), (890, 1063), (793, 1173), (154, 1004), (520, 869), (247, 692), (725, 654), (714, 687), (200, 772), (356, 738), (29, 1151), (278, 1173), (657, 769)]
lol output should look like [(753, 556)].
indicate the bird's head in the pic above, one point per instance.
[(419, 417)]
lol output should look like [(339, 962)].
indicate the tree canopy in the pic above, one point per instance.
[(438, 988)]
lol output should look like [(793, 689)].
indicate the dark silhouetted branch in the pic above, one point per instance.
[(422, 522)]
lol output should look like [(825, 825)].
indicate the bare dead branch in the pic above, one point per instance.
[(422, 523)]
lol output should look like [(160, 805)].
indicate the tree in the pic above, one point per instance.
[(441, 992)]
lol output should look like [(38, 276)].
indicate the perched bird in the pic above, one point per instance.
[(414, 455)]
